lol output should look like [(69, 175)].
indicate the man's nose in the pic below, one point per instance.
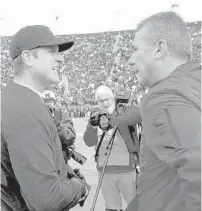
[(105, 103), (59, 58)]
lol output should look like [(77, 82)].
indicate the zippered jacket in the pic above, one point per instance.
[(170, 158)]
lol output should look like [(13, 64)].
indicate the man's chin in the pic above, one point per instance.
[(143, 82), (55, 81)]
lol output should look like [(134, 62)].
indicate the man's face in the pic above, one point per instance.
[(46, 65), (105, 101), (143, 58)]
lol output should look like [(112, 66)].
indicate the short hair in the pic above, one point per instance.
[(103, 90), (173, 29), (18, 63)]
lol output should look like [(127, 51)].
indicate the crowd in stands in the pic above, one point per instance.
[(92, 59)]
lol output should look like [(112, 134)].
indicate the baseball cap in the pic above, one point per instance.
[(35, 36), (48, 96)]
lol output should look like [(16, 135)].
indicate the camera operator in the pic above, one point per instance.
[(119, 176), (63, 122)]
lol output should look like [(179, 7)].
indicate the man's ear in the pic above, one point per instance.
[(27, 57), (161, 49)]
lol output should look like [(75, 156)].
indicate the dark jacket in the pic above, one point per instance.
[(127, 126), (33, 171), (170, 158), (65, 127)]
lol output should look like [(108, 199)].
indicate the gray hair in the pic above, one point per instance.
[(173, 29), (18, 65)]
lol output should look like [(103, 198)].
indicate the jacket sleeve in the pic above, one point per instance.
[(131, 117), (66, 130), (172, 127), (31, 149), (90, 135)]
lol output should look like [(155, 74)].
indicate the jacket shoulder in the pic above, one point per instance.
[(184, 83)]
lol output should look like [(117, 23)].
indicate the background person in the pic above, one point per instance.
[(119, 175)]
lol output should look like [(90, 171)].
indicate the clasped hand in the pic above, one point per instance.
[(104, 122)]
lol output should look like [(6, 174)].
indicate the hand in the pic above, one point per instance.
[(104, 122), (84, 196), (79, 195), (71, 173), (81, 177), (79, 174), (77, 199), (87, 187), (95, 119)]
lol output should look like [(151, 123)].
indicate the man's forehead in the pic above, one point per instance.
[(140, 34), (104, 96)]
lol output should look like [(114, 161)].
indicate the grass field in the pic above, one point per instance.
[(88, 169)]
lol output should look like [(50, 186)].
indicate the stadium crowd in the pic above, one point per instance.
[(92, 59), (157, 165)]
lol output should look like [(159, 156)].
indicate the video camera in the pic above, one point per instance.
[(95, 118), (122, 96)]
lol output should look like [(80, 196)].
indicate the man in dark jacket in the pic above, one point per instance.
[(33, 170), (170, 157), (63, 123)]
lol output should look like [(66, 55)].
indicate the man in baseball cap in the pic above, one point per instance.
[(31, 37), (36, 49), (34, 173)]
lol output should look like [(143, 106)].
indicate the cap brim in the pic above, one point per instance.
[(62, 44), (65, 46)]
